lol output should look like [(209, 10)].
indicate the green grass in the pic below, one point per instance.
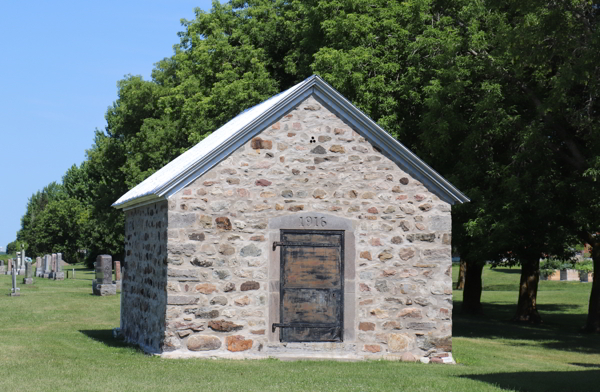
[(57, 337)]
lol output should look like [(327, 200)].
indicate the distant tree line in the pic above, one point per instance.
[(501, 97)]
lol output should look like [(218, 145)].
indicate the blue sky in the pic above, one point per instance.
[(59, 66)]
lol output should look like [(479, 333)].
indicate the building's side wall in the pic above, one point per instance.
[(309, 160), (143, 291)]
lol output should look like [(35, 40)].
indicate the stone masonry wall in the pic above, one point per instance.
[(309, 160), (143, 290)]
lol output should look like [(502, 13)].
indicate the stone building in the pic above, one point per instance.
[(299, 229)]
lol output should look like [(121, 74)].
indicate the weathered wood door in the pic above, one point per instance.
[(312, 286)]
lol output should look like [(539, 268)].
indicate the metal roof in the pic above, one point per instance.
[(221, 143)]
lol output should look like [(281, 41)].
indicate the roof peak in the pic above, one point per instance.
[(221, 143)]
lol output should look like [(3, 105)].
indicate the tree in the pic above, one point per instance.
[(35, 207), (213, 75), (441, 77), (553, 49), (11, 247), (501, 97), (58, 228)]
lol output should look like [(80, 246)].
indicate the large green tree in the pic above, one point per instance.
[(554, 50), (501, 97), (441, 77), (36, 205), (57, 216)]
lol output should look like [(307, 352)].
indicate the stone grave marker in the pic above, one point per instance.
[(103, 284), (118, 275), (28, 279), (59, 274), (10, 263), (39, 271), (53, 265), (20, 263), (23, 270), (117, 270), (1, 266), (47, 266), (14, 292)]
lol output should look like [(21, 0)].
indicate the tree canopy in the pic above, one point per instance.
[(501, 97)]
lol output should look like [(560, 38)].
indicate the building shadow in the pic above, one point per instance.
[(581, 381), (105, 336)]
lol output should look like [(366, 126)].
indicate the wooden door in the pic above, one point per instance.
[(311, 286)]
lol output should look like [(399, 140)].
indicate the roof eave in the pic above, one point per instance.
[(138, 202), (385, 141), (236, 141)]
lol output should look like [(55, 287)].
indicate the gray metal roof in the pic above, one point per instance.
[(221, 143)]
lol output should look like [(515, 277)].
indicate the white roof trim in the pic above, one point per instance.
[(221, 143)]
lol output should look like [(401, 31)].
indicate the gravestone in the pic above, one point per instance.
[(118, 275), (20, 265), (14, 292), (103, 284), (1, 266), (47, 266), (59, 274), (53, 265), (10, 264), (28, 279), (23, 270), (39, 271)]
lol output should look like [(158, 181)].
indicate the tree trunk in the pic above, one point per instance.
[(460, 283), (593, 320), (472, 289), (527, 305)]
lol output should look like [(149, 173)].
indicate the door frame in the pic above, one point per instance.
[(318, 221), (339, 322)]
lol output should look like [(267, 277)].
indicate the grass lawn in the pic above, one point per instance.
[(57, 336)]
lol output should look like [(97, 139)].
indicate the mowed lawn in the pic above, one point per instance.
[(57, 336)]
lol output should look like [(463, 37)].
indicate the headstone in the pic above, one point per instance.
[(10, 264), (28, 279), (39, 271), (46, 268), (103, 284), (1, 266), (53, 265), (20, 264), (118, 275), (59, 274), (117, 270), (14, 292)]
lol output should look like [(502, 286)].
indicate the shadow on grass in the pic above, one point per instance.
[(508, 270), (502, 287), (560, 329), (590, 365), (105, 336), (542, 381), (85, 274)]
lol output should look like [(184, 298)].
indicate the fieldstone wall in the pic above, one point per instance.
[(219, 250), (143, 290)]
